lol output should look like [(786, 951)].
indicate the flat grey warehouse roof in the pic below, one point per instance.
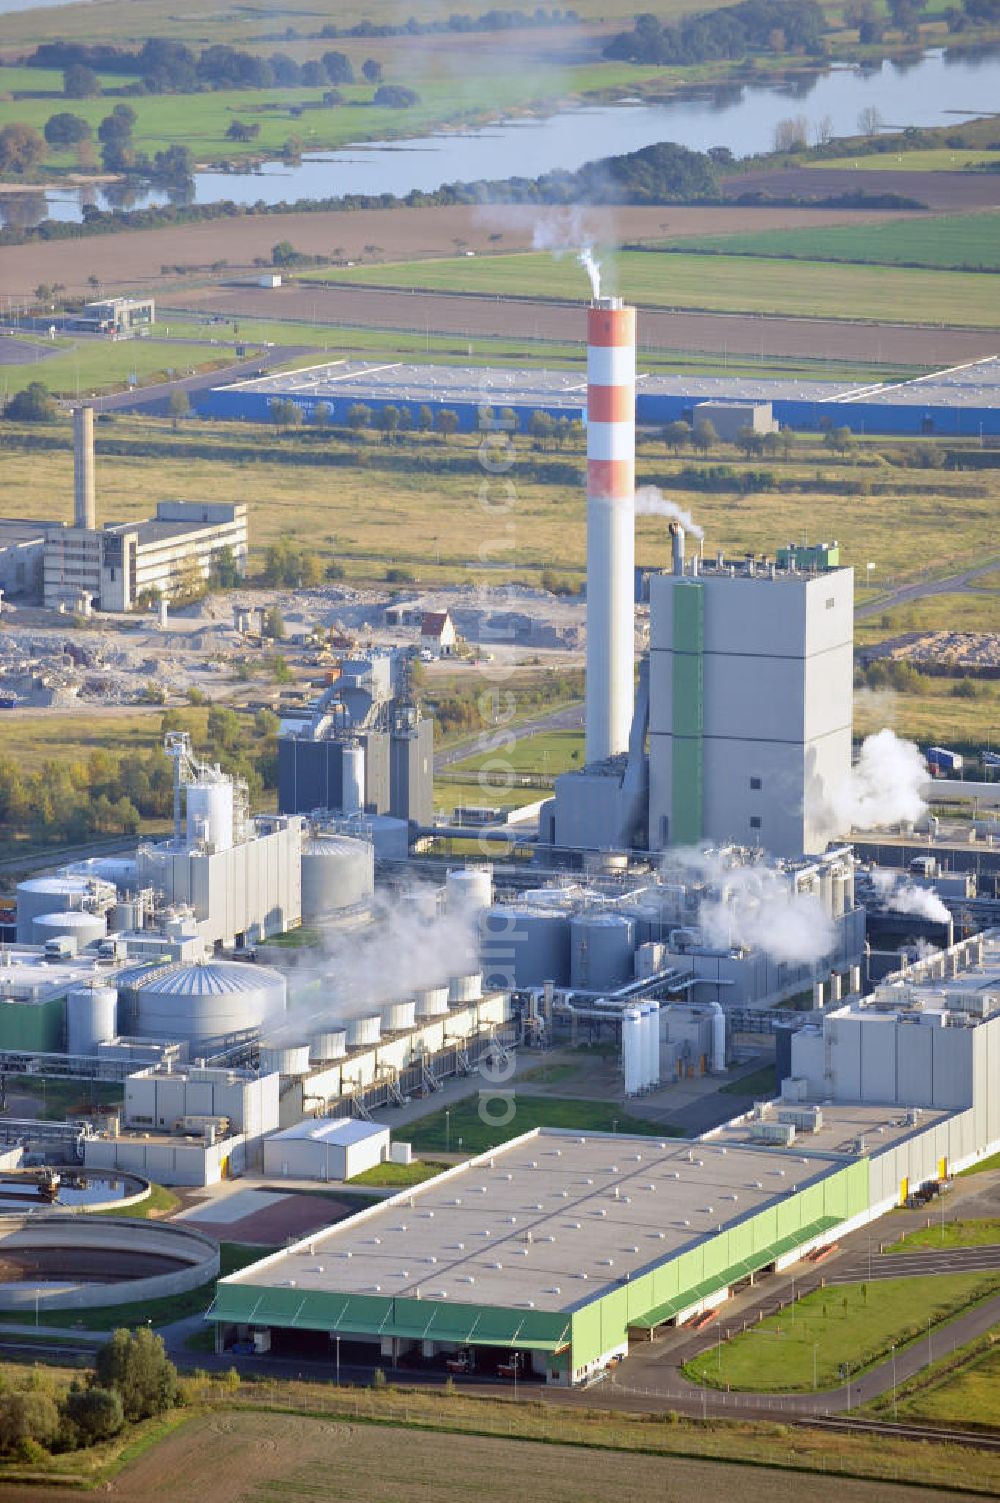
[(546, 1222)]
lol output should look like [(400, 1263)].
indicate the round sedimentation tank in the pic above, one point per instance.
[(205, 1002), (83, 928), (431, 1001), (602, 947), (469, 889), (465, 988), (362, 1032), (524, 945), (338, 872), (39, 896), (331, 1043), (91, 1017), (285, 1059), (397, 1017)]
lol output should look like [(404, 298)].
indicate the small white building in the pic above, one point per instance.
[(437, 632), (324, 1148)]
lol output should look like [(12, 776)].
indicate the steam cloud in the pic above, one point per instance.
[(564, 234), (651, 502), (358, 971), (758, 906), (902, 896), (882, 789)]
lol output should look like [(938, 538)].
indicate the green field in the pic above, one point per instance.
[(721, 284), (977, 609), (547, 754), (983, 1167), (935, 159), (91, 367), (468, 1132), (984, 1232), (962, 1390), (833, 1330), (399, 1176), (969, 242)]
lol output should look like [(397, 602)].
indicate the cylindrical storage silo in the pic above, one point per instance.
[(632, 1053), (523, 946), (331, 1043), (284, 1059), (467, 988), (602, 946), (469, 889), (338, 872), (397, 1017), (44, 895), (210, 814), (83, 928), (207, 1002), (91, 1018), (718, 1039), (653, 1043), (353, 779), (361, 1032), (126, 916), (431, 1001)]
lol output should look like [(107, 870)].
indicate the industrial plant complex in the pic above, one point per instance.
[(273, 992)]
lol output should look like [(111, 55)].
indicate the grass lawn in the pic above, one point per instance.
[(984, 1165), (548, 753), (853, 1324), (469, 1133), (964, 241), (159, 1202), (983, 1232), (89, 367), (934, 159), (399, 1176), (761, 1085), (963, 1389), (976, 611), (725, 284), (935, 715)]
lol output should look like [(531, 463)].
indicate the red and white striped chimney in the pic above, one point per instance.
[(610, 526)]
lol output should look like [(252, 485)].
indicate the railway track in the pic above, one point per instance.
[(975, 1439)]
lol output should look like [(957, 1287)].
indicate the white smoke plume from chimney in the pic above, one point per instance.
[(903, 896), (651, 502), (592, 267), (882, 789), (758, 906), (564, 234)]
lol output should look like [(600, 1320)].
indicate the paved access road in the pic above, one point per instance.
[(951, 584), (155, 399), (569, 718)]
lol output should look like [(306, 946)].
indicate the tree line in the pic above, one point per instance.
[(490, 20), (133, 1379), (734, 32), (109, 793), (165, 66)]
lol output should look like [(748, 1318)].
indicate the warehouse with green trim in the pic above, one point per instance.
[(547, 1254)]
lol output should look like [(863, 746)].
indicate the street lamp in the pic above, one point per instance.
[(338, 1359), (815, 1351), (895, 1412), (447, 1131)]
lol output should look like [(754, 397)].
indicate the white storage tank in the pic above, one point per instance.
[(653, 1044), (602, 947), (718, 1040), (206, 1002), (59, 894), (397, 1017), (91, 1017), (362, 1032), (330, 1043), (524, 945), (469, 889), (353, 779), (127, 916), (284, 1059), (467, 988), (338, 873), (84, 928), (210, 814), (431, 1001), (633, 1064)]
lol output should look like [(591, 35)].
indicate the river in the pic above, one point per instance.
[(936, 88)]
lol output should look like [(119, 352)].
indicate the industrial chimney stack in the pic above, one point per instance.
[(610, 526), (84, 487)]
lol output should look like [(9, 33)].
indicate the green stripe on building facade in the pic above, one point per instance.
[(688, 709)]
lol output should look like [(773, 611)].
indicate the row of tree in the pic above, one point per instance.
[(22, 146), (169, 67), (734, 32), (133, 1379), (110, 794), (490, 20)]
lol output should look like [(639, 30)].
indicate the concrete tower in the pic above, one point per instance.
[(610, 526), (84, 486)]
